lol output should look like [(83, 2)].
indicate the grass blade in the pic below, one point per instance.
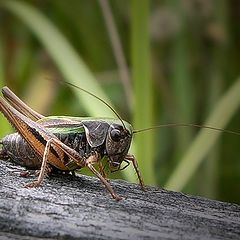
[(5, 126), (200, 147), (66, 58), (143, 89)]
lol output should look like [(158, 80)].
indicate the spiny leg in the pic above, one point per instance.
[(78, 159), (135, 165), (93, 159), (86, 162), (101, 170), (43, 167), (18, 104), (73, 154)]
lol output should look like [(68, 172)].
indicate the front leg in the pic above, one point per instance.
[(102, 170), (82, 162), (89, 163), (135, 165)]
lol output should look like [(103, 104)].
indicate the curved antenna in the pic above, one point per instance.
[(95, 96), (186, 125)]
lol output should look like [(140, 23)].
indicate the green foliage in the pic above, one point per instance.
[(201, 145), (184, 62), (143, 87)]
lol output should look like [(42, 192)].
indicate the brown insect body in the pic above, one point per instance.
[(67, 143)]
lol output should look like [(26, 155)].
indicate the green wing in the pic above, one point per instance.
[(68, 124), (62, 124)]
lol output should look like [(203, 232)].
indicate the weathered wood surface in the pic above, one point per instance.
[(68, 207)]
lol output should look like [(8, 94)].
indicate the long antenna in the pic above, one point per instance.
[(95, 96), (186, 125), (150, 128)]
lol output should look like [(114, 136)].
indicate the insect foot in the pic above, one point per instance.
[(29, 173), (117, 198), (33, 184)]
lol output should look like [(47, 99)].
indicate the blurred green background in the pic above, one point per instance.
[(156, 62)]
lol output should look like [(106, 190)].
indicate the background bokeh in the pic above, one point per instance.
[(156, 62)]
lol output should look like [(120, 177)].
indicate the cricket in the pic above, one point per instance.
[(64, 143), (68, 143)]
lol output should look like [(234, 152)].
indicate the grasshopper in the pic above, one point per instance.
[(64, 143)]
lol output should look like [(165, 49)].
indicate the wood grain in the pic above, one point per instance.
[(68, 207)]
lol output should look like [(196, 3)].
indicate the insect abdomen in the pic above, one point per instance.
[(15, 148)]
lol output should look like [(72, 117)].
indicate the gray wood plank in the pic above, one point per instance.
[(68, 207)]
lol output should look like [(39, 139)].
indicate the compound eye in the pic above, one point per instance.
[(115, 135)]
